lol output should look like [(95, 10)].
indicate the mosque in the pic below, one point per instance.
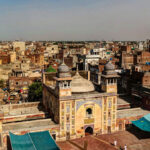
[(77, 107)]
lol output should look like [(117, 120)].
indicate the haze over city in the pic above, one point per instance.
[(74, 20), (74, 75)]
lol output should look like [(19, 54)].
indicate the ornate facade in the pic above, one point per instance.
[(78, 108)]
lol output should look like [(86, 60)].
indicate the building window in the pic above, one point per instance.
[(109, 122), (67, 118), (73, 122), (62, 124), (113, 107), (113, 116), (104, 107), (89, 112), (25, 83), (62, 106), (104, 117), (65, 85), (68, 127), (114, 100), (68, 84), (68, 108), (109, 104)]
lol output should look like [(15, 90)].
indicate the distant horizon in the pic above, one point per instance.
[(72, 40), (69, 20)]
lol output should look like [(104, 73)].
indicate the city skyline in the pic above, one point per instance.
[(74, 20)]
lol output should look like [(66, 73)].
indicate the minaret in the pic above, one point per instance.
[(109, 79), (63, 79)]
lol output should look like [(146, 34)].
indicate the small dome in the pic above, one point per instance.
[(109, 66), (81, 85), (63, 71), (63, 68)]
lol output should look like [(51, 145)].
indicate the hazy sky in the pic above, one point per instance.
[(74, 19)]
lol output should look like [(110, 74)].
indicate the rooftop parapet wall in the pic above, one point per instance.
[(49, 77), (17, 109)]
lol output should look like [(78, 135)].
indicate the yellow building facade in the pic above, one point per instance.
[(78, 108)]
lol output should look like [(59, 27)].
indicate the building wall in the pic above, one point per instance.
[(5, 59), (51, 104), (20, 45), (52, 50), (143, 57), (127, 60), (17, 83), (12, 57), (146, 81), (109, 113), (74, 118), (83, 120), (67, 118)]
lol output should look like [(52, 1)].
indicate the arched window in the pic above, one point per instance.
[(88, 112)]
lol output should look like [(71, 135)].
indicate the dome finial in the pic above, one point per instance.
[(63, 61), (77, 70)]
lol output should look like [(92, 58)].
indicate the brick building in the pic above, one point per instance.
[(5, 58), (143, 57)]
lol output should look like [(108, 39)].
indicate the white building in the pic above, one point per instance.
[(94, 55)]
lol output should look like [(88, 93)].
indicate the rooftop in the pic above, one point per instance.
[(94, 94), (29, 125), (126, 113)]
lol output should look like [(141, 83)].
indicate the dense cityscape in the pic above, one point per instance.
[(74, 75), (86, 94)]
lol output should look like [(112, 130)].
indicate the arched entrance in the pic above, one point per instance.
[(88, 131)]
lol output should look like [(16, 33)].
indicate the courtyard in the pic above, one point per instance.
[(133, 138)]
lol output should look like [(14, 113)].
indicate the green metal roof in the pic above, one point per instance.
[(33, 141), (143, 123)]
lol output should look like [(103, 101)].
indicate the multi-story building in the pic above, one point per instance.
[(127, 60), (19, 44)]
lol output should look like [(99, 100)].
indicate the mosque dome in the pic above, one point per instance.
[(63, 71), (63, 68), (81, 85), (109, 66)]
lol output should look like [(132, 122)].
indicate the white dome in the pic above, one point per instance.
[(109, 66), (81, 85)]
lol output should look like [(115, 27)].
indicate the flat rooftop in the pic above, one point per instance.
[(87, 95), (132, 112), (105, 142), (123, 100), (29, 125)]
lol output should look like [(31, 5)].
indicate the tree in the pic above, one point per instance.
[(35, 92), (50, 69)]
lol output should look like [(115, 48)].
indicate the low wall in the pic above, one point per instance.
[(21, 128), (16, 109)]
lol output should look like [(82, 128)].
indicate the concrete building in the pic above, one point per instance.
[(19, 44), (12, 57), (51, 50), (94, 55)]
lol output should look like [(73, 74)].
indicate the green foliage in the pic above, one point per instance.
[(35, 92), (50, 69), (2, 85)]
